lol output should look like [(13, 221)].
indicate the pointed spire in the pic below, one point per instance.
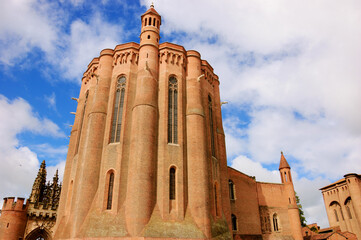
[(39, 184), (151, 10), (56, 177), (283, 162)]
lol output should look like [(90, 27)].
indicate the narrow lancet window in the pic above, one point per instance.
[(234, 222), (118, 110), (172, 183), (110, 191), (231, 190), (275, 222), (211, 125), (173, 110)]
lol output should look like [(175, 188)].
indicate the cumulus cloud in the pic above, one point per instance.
[(252, 168), (42, 25), (19, 164), (25, 25), (84, 42)]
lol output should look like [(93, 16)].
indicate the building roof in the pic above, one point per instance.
[(283, 162), (333, 184), (151, 10)]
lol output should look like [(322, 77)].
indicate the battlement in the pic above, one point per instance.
[(11, 205)]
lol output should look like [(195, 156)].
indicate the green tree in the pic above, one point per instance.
[(302, 214)]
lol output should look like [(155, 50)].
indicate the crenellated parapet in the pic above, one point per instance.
[(11, 205)]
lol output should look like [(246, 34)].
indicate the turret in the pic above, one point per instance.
[(36, 195), (293, 213), (141, 190), (13, 219), (285, 170)]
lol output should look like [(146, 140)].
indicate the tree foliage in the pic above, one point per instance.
[(302, 214)]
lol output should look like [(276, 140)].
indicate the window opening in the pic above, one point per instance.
[(172, 183), (110, 191), (231, 190), (286, 177), (118, 110), (211, 125), (154, 22), (145, 24), (173, 110), (275, 222), (234, 222)]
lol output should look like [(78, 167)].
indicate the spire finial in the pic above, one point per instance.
[(152, 5), (281, 152)]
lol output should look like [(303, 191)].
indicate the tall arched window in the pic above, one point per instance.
[(275, 222), (172, 183), (110, 191), (211, 125), (118, 110), (173, 110), (81, 122), (231, 190), (234, 222)]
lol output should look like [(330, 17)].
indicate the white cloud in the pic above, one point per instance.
[(19, 164), (51, 100), (25, 25), (84, 42), (252, 168), (39, 25)]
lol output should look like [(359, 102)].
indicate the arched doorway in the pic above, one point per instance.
[(39, 234)]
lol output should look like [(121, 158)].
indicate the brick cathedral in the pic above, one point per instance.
[(147, 156)]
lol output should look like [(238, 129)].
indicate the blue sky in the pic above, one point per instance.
[(289, 70)]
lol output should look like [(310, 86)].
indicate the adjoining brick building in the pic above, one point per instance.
[(147, 156), (343, 203), (35, 219)]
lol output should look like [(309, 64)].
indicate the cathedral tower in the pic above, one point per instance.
[(293, 213), (146, 155), (144, 130)]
